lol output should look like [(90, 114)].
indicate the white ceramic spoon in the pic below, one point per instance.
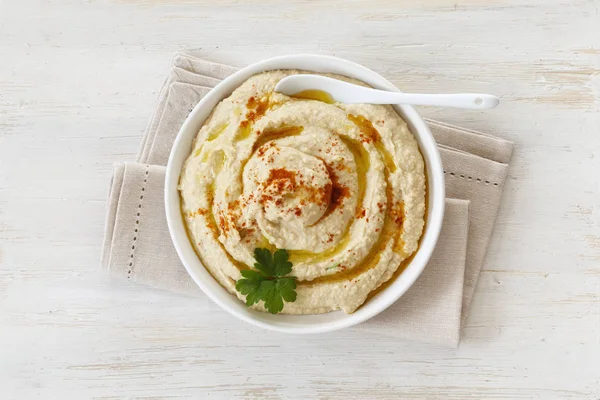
[(323, 88)]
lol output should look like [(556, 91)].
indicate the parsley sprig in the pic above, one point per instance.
[(268, 281)]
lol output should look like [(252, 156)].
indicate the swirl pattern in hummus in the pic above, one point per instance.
[(341, 187)]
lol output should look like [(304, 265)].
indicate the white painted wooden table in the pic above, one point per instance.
[(78, 81)]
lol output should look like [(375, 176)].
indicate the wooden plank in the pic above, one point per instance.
[(78, 82)]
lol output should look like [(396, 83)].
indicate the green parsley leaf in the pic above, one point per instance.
[(273, 300), (286, 287), (282, 265), (250, 286), (264, 262), (268, 282)]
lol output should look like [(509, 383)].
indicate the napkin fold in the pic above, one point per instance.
[(137, 245)]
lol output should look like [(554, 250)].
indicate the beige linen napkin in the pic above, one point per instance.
[(137, 244)]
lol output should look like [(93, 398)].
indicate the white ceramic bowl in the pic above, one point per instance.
[(302, 323)]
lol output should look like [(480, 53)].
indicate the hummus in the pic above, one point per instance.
[(341, 187)]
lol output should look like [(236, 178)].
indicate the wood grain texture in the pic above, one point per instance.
[(78, 81)]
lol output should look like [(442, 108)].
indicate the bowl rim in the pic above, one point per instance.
[(188, 255)]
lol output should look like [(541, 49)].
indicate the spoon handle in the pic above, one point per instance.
[(477, 101)]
